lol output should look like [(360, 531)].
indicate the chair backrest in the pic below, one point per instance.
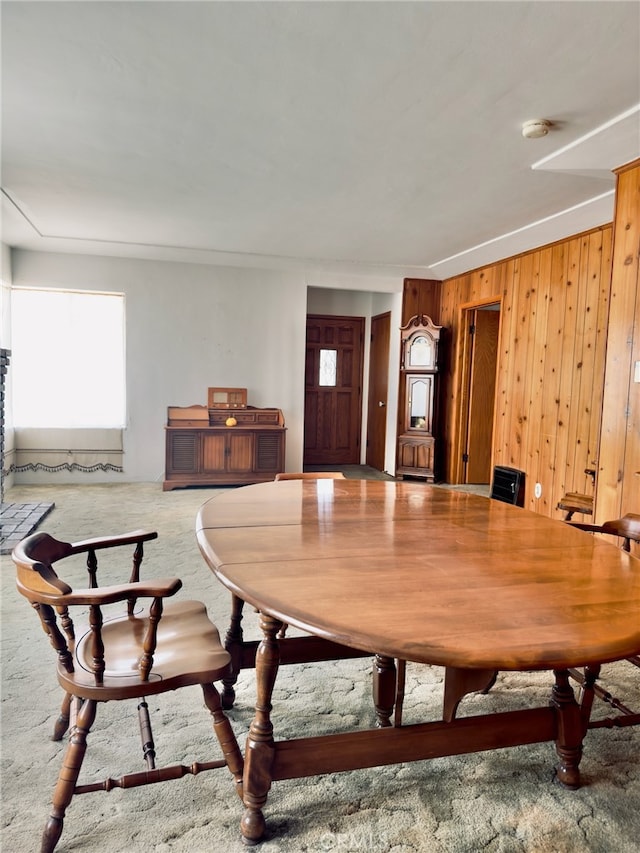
[(508, 485), (627, 528), (51, 597), (34, 558), (311, 475)]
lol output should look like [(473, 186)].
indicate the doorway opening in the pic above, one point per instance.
[(481, 329), (333, 390), (378, 390)]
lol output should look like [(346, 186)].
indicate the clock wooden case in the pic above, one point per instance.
[(417, 433)]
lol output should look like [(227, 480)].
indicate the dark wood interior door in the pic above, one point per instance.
[(333, 390), (378, 389), (485, 326)]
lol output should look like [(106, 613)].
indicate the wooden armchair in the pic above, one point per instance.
[(627, 528), (144, 651), (572, 502)]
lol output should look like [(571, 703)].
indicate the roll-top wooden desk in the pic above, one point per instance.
[(201, 450)]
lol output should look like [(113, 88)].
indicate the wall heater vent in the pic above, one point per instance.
[(508, 485)]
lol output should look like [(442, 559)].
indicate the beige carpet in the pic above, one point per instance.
[(499, 802)]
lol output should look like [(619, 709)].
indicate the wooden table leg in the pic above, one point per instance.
[(401, 678), (233, 644), (259, 750), (384, 689), (458, 682), (587, 693), (570, 734)]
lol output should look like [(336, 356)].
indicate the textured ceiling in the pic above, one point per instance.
[(366, 136)]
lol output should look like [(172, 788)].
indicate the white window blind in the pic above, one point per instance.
[(67, 358)]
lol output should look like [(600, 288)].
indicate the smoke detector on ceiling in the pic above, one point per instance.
[(536, 128)]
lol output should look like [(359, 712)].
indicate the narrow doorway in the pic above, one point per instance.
[(333, 390), (378, 390), (482, 329)]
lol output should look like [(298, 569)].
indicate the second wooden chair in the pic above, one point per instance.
[(143, 652)]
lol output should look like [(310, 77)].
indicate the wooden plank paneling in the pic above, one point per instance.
[(562, 481), (518, 409), (420, 296), (535, 384), (551, 435), (595, 424), (618, 488), (631, 465), (551, 359), (450, 303), (569, 340), (503, 385), (588, 399), (576, 362)]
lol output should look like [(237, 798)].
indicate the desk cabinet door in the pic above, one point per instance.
[(269, 452), (240, 452), (182, 452), (214, 453), (227, 452)]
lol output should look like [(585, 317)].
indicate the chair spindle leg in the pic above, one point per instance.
[(224, 733), (146, 735), (62, 723), (68, 776)]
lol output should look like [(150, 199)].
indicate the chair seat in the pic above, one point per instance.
[(189, 651), (576, 502)]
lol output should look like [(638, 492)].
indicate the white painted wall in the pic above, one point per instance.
[(5, 313), (193, 326), (5, 343)]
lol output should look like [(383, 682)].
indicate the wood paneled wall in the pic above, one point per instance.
[(618, 490), (552, 351), (420, 296)]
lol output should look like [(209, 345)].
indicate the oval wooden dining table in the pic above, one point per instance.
[(411, 572)]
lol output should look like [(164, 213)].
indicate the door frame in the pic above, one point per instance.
[(463, 385), (371, 404)]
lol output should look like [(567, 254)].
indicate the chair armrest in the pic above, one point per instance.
[(92, 546), (590, 528), (131, 538), (155, 588)]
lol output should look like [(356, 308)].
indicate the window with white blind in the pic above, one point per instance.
[(67, 358)]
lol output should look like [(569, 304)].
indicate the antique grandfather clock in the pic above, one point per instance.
[(417, 434)]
